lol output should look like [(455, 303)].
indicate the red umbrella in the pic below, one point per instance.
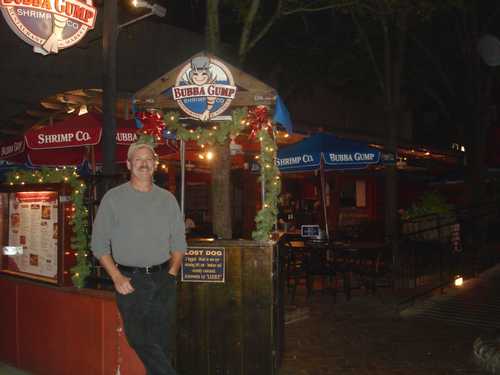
[(78, 138)]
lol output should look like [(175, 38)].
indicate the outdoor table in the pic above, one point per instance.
[(357, 257)]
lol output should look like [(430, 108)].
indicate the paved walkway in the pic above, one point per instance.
[(367, 335)]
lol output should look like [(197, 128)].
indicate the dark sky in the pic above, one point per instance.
[(322, 57)]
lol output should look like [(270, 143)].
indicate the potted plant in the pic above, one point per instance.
[(426, 217)]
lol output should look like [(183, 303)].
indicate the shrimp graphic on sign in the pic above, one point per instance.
[(49, 25), (204, 88)]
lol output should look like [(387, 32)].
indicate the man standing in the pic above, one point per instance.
[(139, 238)]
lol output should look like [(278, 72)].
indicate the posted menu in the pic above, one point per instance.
[(33, 226)]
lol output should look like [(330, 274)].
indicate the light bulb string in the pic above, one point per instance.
[(119, 334)]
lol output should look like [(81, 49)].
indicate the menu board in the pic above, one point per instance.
[(33, 227)]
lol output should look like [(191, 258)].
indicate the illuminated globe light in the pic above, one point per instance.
[(210, 155), (459, 281)]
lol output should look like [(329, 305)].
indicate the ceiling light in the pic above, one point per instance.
[(83, 110)]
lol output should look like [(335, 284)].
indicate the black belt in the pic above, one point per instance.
[(146, 270)]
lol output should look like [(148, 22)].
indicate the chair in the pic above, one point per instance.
[(320, 264), (374, 267), (296, 260), (345, 263)]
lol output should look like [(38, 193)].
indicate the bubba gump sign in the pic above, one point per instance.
[(204, 88), (49, 25)]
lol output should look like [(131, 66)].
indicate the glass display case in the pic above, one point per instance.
[(35, 232)]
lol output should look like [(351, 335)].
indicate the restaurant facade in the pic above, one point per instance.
[(228, 319), (74, 327)]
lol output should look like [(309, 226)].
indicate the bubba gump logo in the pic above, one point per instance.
[(204, 88), (49, 25)]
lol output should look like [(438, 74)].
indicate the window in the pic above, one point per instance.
[(348, 194), (360, 193), (353, 194)]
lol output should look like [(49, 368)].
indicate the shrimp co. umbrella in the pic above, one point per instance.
[(325, 152), (73, 141)]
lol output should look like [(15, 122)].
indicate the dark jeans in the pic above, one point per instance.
[(149, 315)]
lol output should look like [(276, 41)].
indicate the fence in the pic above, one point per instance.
[(435, 249)]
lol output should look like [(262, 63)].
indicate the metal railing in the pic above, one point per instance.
[(436, 249)]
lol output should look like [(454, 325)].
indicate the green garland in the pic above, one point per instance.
[(79, 241), (215, 134), (268, 214), (219, 133)]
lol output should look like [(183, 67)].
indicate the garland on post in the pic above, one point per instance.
[(215, 134), (79, 220), (268, 214), (257, 120)]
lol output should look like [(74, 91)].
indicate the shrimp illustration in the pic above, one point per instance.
[(51, 45), (199, 75)]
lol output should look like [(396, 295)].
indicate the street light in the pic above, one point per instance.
[(109, 39), (155, 10)]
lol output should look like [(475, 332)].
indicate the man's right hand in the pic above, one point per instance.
[(122, 284)]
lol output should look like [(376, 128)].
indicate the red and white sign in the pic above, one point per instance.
[(78, 131), (36, 196), (49, 137), (49, 25), (60, 137)]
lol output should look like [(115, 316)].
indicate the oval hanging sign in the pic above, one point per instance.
[(204, 88), (49, 25)]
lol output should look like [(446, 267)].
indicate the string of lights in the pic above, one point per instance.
[(77, 213)]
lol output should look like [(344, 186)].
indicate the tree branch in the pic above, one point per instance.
[(369, 49), (318, 9), (213, 26), (435, 62), (247, 29), (267, 26)]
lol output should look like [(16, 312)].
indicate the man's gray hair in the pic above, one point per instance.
[(138, 145)]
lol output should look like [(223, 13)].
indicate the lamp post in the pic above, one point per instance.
[(111, 30)]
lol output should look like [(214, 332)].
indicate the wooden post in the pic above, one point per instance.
[(109, 38)]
